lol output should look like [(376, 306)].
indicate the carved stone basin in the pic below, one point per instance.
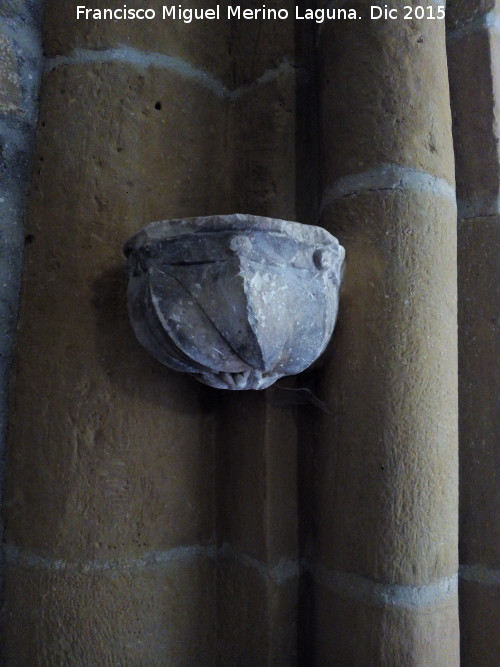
[(237, 300)]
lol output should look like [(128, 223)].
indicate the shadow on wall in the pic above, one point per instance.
[(128, 367)]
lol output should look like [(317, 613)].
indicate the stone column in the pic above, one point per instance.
[(110, 502), (386, 562), (474, 62)]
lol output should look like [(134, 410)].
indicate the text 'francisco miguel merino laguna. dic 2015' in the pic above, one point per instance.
[(188, 14)]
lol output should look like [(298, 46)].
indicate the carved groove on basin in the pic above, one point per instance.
[(237, 300)]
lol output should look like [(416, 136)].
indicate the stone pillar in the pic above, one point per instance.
[(20, 69), (474, 62), (386, 561), (110, 501), (145, 525)]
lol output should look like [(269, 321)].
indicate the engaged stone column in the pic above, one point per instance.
[(474, 61), (110, 502), (387, 462)]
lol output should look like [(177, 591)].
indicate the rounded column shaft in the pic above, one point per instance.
[(387, 462)]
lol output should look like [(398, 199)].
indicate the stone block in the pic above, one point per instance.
[(112, 452), (186, 175), (352, 633), (204, 44), (387, 461), (157, 616), (27, 12), (474, 121), (479, 389), (461, 12), (260, 45), (373, 74), (479, 614), (11, 94)]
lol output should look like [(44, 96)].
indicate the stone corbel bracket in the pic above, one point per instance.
[(237, 300)]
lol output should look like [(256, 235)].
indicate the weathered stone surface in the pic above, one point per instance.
[(129, 180), (479, 390), (239, 301), (352, 633), (11, 95), (109, 446), (156, 616), (479, 614), (28, 12), (373, 74), (388, 482), (204, 44), (20, 67)]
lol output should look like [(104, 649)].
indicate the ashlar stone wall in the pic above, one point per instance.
[(155, 521), (20, 69)]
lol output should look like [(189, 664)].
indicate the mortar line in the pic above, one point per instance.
[(345, 584), (269, 75), (479, 574), (141, 60), (279, 573), (367, 591), (386, 177), (16, 556), (145, 59), (478, 207)]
